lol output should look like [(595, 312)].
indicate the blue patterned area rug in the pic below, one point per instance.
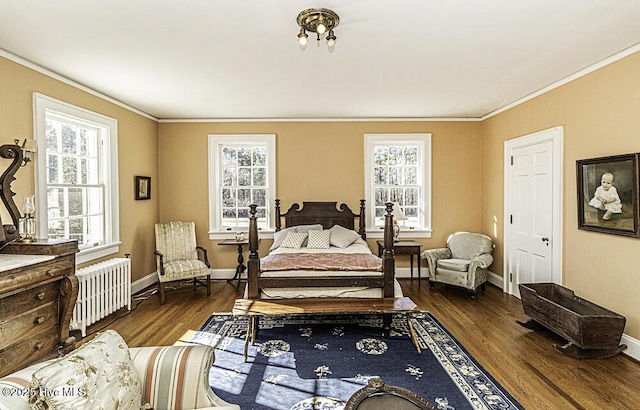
[(318, 362)]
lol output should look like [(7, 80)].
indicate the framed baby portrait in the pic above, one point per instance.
[(608, 194)]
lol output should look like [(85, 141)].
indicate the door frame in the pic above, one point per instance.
[(556, 136)]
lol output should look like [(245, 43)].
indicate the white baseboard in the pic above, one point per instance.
[(144, 282), (152, 278), (633, 347), (404, 273), (496, 280)]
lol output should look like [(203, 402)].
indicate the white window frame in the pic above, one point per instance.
[(216, 143), (43, 104), (423, 140)]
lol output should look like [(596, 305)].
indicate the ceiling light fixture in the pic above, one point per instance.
[(317, 21)]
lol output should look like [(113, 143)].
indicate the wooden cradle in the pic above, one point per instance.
[(326, 214)]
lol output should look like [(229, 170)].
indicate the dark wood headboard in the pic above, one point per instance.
[(326, 214)]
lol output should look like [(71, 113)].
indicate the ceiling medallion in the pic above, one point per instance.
[(317, 21)]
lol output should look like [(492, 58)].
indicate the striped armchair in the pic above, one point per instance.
[(178, 257), (172, 377)]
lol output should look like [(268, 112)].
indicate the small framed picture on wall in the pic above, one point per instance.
[(143, 187)]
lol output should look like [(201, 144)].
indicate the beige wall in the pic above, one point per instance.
[(137, 152), (324, 161), (321, 161), (599, 113)]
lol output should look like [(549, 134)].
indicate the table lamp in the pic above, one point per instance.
[(398, 215)]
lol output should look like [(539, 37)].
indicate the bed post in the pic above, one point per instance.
[(253, 264), (278, 226), (361, 222), (388, 261)]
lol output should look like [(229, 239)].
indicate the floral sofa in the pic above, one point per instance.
[(105, 373)]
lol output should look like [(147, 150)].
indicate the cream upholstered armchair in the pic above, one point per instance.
[(178, 256), (464, 262)]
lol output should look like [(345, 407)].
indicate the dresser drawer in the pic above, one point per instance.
[(27, 324), (29, 299), (34, 349), (30, 276)]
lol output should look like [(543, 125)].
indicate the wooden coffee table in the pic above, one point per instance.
[(255, 308)]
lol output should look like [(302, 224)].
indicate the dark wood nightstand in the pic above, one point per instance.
[(241, 266), (405, 248)]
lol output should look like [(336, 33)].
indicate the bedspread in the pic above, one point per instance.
[(321, 261)]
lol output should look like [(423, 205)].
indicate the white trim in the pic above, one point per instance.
[(42, 70), (587, 70), (633, 346), (603, 63), (404, 233), (89, 254), (337, 119), (556, 136), (424, 141), (215, 141), (495, 280), (144, 282), (42, 104)]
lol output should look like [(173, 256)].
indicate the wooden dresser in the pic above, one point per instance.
[(38, 291)]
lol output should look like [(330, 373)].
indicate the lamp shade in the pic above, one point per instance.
[(397, 213)]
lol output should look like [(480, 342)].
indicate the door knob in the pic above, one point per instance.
[(546, 241)]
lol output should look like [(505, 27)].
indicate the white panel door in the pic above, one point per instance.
[(531, 217)]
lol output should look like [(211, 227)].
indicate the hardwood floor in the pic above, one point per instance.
[(523, 361)]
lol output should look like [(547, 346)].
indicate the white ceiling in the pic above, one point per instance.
[(239, 59)]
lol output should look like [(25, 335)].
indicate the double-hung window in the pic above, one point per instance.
[(241, 173), (77, 177), (398, 170)]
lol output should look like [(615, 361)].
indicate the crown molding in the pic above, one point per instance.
[(42, 70), (594, 67)]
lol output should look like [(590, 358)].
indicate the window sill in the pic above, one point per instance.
[(96, 252), (263, 234), (404, 233)]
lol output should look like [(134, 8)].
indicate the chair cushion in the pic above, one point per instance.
[(466, 245), (458, 265), (177, 270), (99, 374)]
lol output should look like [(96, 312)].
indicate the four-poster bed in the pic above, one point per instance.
[(343, 269)]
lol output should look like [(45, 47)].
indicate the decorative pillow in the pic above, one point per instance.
[(97, 375), (307, 228), (294, 240), (319, 239), (279, 236), (342, 237)]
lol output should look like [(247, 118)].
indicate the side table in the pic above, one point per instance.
[(405, 248), (241, 266)]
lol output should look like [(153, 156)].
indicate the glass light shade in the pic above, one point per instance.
[(321, 28), (331, 41), (28, 205), (302, 39)]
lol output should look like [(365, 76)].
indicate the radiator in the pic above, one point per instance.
[(104, 287)]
